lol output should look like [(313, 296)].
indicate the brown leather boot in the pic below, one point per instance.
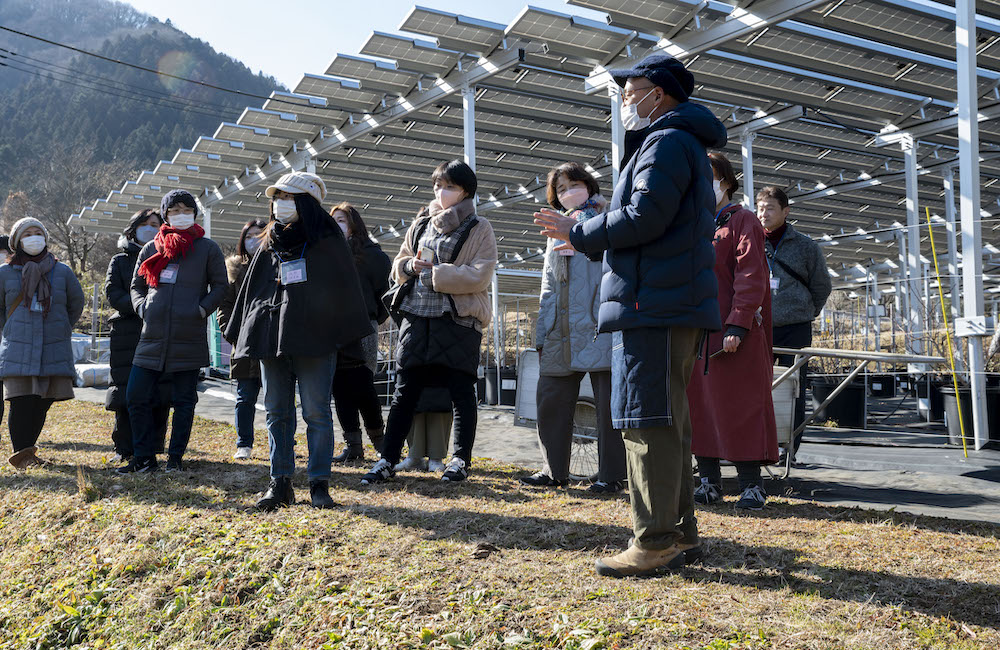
[(23, 459), (635, 561)]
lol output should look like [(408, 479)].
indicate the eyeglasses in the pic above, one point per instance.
[(628, 95)]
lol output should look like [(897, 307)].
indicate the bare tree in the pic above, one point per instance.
[(56, 187)]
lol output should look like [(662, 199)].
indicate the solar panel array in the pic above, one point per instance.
[(856, 67)]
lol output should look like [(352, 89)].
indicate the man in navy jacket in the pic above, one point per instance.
[(658, 297)]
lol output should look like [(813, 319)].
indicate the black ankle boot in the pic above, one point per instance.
[(279, 494), (353, 449), (319, 494)]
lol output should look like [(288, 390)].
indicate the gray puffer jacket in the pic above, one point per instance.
[(568, 307), (33, 345), (174, 333)]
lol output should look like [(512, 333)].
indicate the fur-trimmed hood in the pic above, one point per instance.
[(235, 264)]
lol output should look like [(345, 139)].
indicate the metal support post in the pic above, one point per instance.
[(469, 124), (953, 276), (973, 323), (617, 132), (746, 142), (496, 329), (913, 266)]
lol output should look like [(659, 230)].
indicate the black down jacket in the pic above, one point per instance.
[(656, 236), (174, 333), (313, 318)]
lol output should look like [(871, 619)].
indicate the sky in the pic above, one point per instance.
[(288, 38)]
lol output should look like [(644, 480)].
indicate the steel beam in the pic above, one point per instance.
[(933, 127), (469, 125), (739, 23), (915, 342), (953, 278), (972, 236), (415, 101)]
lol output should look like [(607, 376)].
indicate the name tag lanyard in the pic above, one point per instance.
[(293, 271)]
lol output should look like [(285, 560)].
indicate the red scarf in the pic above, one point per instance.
[(170, 244)]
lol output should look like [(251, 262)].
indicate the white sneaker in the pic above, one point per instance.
[(243, 453), (116, 459), (435, 465), (409, 463)]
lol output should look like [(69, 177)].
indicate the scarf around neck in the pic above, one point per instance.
[(445, 220), (35, 280), (170, 244)]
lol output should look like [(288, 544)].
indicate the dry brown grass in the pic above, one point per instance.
[(91, 560)]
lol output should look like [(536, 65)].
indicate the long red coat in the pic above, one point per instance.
[(732, 416)]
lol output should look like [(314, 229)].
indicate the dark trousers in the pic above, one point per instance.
[(796, 335), (355, 398), (121, 436), (556, 399), (409, 385), (660, 481), (26, 419), (141, 396), (247, 392), (748, 471)]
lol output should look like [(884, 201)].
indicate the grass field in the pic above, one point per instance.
[(91, 560)]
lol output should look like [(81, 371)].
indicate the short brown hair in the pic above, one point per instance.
[(724, 170), (776, 193), (573, 171)]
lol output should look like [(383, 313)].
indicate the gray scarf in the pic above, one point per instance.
[(35, 281)]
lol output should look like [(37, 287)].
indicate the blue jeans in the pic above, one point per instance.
[(141, 396), (247, 391), (314, 376)]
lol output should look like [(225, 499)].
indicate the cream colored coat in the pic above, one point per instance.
[(468, 279)]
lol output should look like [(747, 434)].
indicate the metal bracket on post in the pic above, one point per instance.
[(311, 165)]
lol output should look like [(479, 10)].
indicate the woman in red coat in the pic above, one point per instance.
[(732, 416)]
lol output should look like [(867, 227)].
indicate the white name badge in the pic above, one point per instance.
[(169, 274), (35, 305), (293, 272), (774, 283), (566, 252)]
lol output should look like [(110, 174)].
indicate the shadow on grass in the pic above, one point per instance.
[(777, 569), (503, 531)]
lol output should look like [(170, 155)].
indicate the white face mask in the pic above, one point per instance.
[(343, 226), (284, 211), (574, 197), (630, 115), (720, 194), (33, 244), (251, 244), (181, 221), (144, 234), (448, 198)]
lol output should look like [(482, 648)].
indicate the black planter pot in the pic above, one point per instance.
[(936, 398), (847, 409), (951, 413), (508, 388)]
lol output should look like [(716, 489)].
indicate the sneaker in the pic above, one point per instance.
[(435, 465), (380, 473), (455, 471), (541, 479), (753, 498), (707, 493), (139, 466), (118, 458), (600, 487), (243, 453), (174, 464), (409, 463)]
